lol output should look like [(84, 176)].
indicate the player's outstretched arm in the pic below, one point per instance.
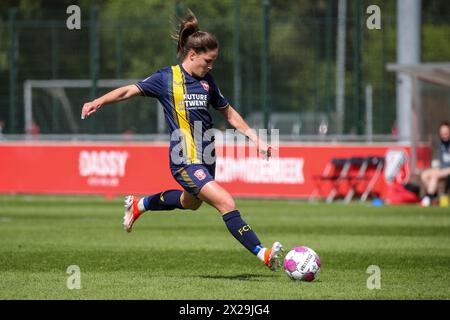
[(235, 119), (115, 95)]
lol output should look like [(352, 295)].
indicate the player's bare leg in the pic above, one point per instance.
[(213, 194), (188, 201)]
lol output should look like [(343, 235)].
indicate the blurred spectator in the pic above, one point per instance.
[(35, 129), (128, 134), (394, 130), (431, 177)]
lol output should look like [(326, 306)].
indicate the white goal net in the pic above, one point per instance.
[(55, 107)]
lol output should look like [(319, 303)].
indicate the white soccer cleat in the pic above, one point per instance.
[(131, 213), (274, 256)]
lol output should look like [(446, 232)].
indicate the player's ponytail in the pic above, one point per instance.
[(189, 37)]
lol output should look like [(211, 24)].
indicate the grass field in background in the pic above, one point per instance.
[(191, 255)]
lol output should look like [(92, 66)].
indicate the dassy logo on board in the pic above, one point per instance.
[(102, 168)]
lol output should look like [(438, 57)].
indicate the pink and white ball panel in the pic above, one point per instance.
[(302, 263)]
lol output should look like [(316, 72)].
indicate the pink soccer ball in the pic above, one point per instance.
[(302, 263)]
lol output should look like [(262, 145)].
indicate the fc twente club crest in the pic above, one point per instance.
[(205, 85)]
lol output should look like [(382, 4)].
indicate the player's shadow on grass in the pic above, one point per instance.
[(239, 277)]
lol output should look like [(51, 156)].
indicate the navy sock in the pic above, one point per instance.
[(167, 200), (242, 231)]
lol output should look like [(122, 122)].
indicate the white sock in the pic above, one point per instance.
[(141, 206), (260, 254)]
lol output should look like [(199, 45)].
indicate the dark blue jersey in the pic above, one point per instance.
[(186, 100)]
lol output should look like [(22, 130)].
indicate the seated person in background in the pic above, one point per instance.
[(430, 177)]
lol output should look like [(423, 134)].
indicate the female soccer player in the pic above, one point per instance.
[(185, 91)]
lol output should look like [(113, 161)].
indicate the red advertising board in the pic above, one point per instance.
[(118, 169)]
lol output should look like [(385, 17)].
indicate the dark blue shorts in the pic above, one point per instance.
[(194, 176)]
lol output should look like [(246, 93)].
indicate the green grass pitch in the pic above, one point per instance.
[(191, 255)]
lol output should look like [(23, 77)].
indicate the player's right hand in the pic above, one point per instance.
[(89, 108)]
